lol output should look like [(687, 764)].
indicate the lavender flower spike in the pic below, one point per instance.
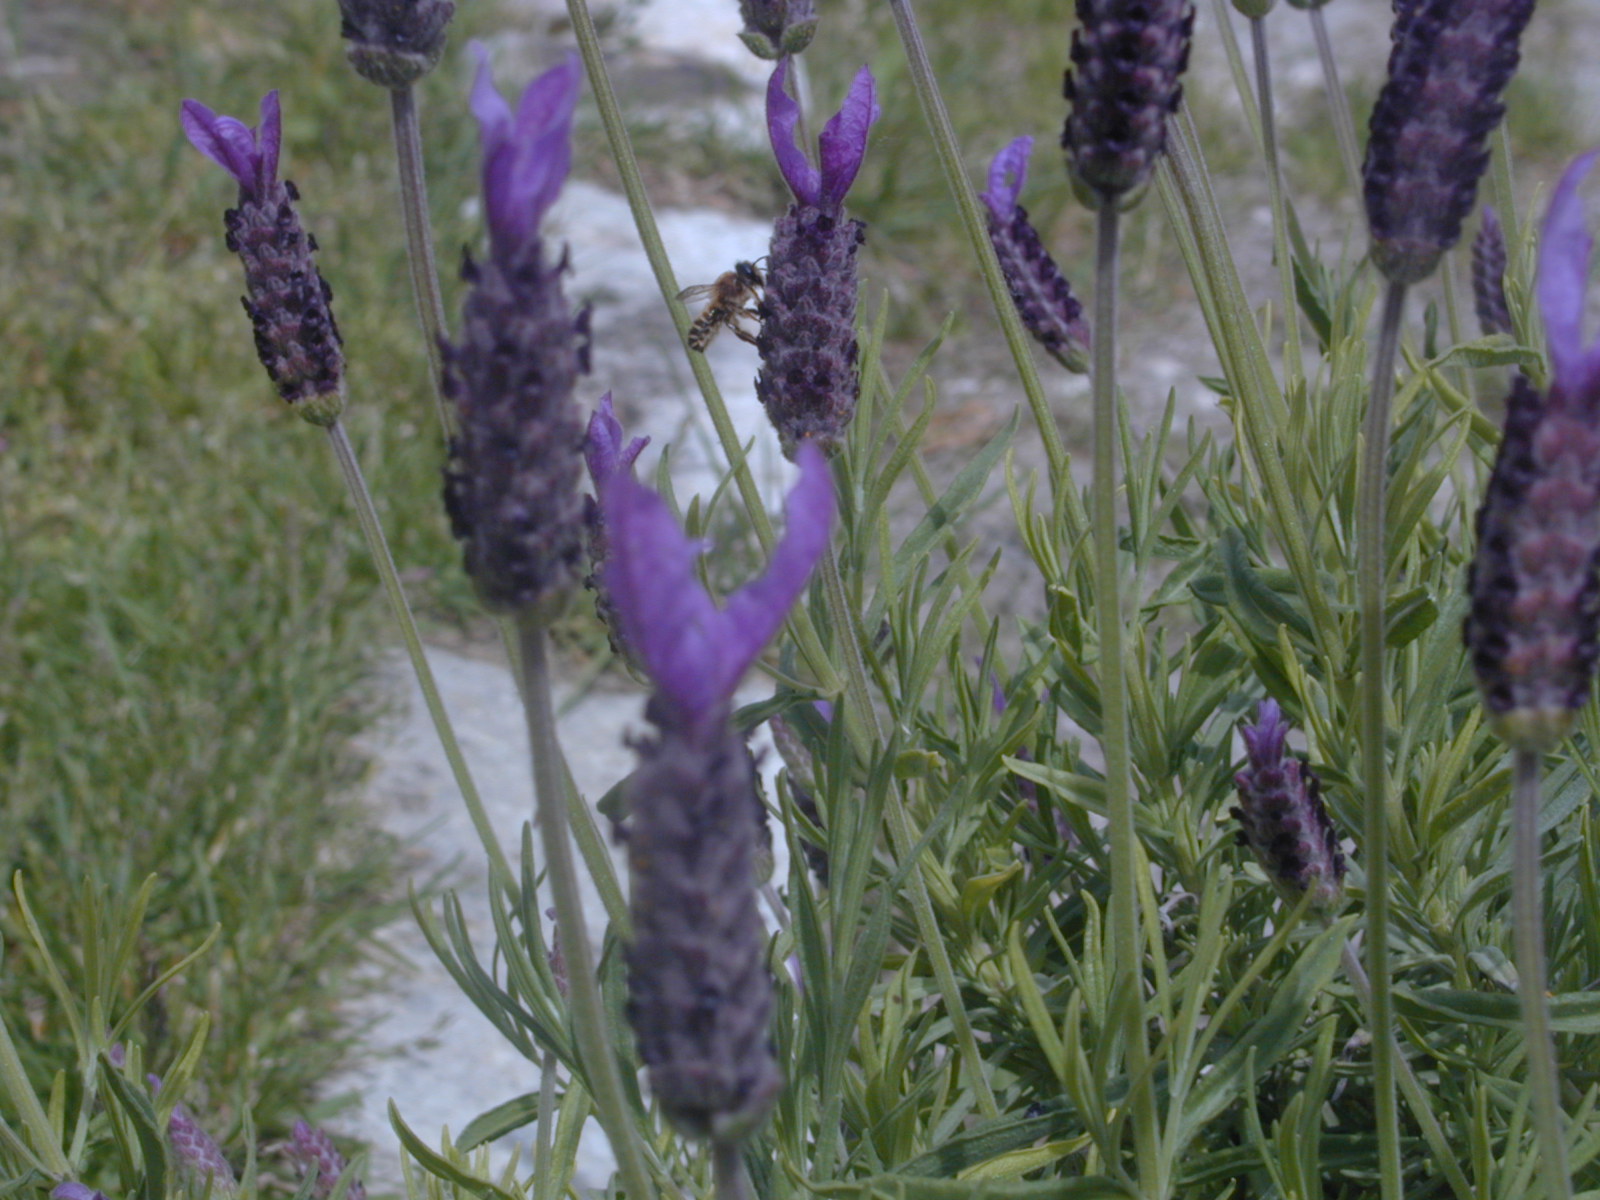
[(1489, 276), (511, 483), (808, 381), (1127, 61), (198, 1157), (288, 301), (1044, 299), (310, 1148), (700, 994), (605, 455), (1533, 630), (393, 43), (1282, 817), (1449, 63), (775, 28)]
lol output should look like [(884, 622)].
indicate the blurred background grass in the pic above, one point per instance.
[(188, 621)]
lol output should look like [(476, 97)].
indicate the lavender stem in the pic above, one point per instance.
[(367, 515), (1371, 576), (1344, 127), (1293, 364), (1527, 913), (586, 1007), (419, 240)]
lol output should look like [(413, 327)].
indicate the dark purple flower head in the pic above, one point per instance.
[(774, 28), (1044, 299), (1127, 63), (1427, 149), (249, 155), (1281, 816), (526, 154), (393, 43), (1565, 248), (603, 450), (842, 146), (1533, 630), (695, 652)]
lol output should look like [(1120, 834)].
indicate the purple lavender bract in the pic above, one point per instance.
[(511, 486), (1427, 147), (393, 43), (1532, 627), (197, 1156), (808, 381), (288, 301), (1282, 817), (1044, 299), (1128, 57), (700, 994)]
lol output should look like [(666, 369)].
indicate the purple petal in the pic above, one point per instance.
[(756, 611), (696, 653), (226, 141), (665, 614), (783, 116), (1007, 175), (1564, 251), (526, 155), (843, 143), (602, 447), (268, 141), (73, 1190), (1264, 740)]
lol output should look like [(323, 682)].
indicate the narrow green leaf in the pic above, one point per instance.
[(437, 1164)]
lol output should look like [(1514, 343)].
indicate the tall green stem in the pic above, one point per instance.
[(1128, 978), (1527, 917), (727, 1169), (585, 1005), (419, 239), (644, 220), (1293, 364), (1371, 580), (367, 515), (1344, 127), (976, 228)]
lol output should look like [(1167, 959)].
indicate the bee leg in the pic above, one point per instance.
[(743, 334)]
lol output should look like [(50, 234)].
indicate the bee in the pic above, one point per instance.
[(727, 303)]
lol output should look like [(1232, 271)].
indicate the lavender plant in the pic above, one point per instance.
[(1092, 994)]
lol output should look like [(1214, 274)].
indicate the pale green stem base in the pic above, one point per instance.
[(1128, 977), (542, 1174), (419, 241), (1527, 915), (499, 868), (585, 1005), (1371, 587), (727, 1168)]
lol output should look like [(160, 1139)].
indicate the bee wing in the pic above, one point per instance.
[(700, 291)]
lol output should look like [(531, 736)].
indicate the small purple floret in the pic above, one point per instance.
[(72, 1190), (526, 154), (603, 450), (249, 155), (842, 145), (695, 652)]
